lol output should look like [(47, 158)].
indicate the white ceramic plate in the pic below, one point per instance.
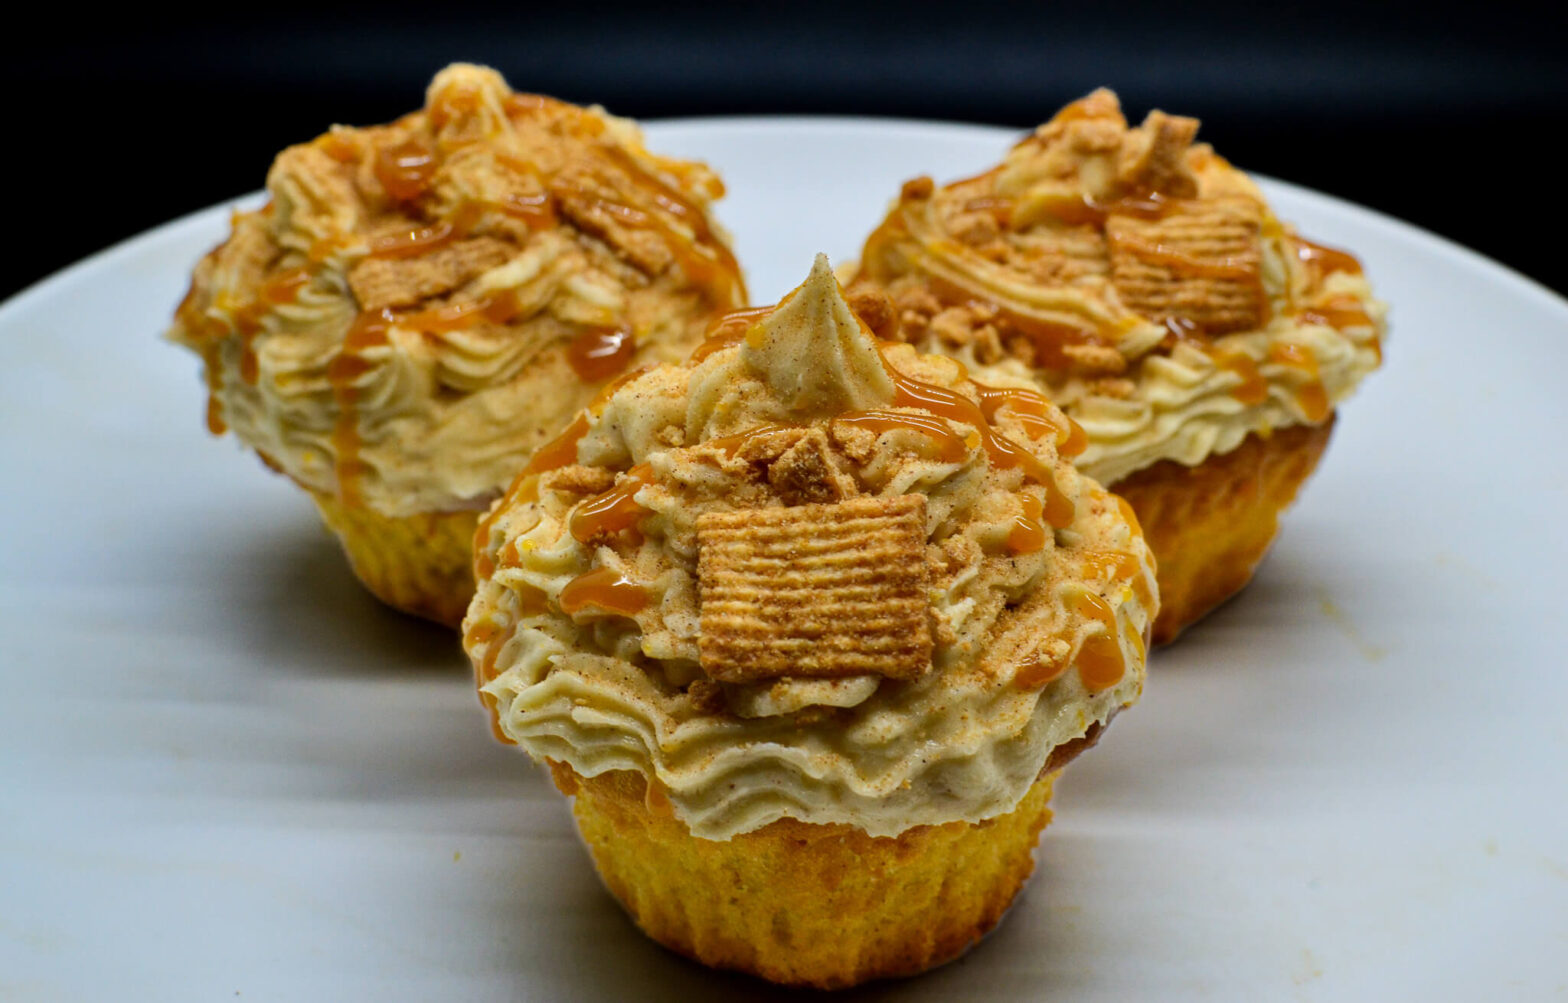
[(226, 771)]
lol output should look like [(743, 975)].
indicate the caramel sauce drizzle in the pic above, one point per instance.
[(601, 352), (560, 451), (1181, 328), (1004, 453), (1128, 515), (1114, 567), (1035, 414), (405, 170), (1253, 389), (487, 632), (1046, 336), (613, 510), (524, 489), (1342, 313), (1027, 535), (369, 330), (1338, 314), (705, 259), (605, 589), (535, 211), (414, 242), (729, 445), (211, 357), (1040, 672), (339, 148), (531, 601), (494, 307), (728, 330), (1326, 259), (1089, 211), (282, 288), (1100, 661), (947, 445), (1312, 396)]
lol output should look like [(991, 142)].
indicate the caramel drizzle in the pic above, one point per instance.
[(1040, 672), (730, 445), (614, 510), (605, 589), (1035, 414), (1313, 396), (1005, 454), (1027, 535), (704, 258), (1326, 260), (494, 307), (1100, 661), (558, 452), (488, 633), (1115, 567), (947, 445), (728, 330), (1338, 314), (601, 352), (1253, 389), (405, 170), (369, 330)]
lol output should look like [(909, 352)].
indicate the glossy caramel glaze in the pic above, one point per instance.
[(604, 589)]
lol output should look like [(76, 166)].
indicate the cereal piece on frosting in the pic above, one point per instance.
[(1200, 261), (821, 591), (1154, 157), (378, 283), (811, 472)]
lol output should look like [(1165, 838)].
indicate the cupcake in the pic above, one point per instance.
[(1146, 287), (420, 305), (807, 627)]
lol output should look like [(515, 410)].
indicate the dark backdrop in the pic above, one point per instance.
[(1445, 115)]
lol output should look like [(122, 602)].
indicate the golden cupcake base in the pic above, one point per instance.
[(800, 904), (1211, 524), (420, 564)]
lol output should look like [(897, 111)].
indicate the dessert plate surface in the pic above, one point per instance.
[(225, 771)]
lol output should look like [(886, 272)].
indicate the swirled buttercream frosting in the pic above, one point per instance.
[(811, 574), (1140, 279), (419, 305)]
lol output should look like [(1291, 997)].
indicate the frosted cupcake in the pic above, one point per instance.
[(807, 626), (1146, 287), (420, 305)]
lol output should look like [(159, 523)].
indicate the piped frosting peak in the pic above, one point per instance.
[(813, 353)]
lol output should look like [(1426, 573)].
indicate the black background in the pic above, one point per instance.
[(1449, 116)]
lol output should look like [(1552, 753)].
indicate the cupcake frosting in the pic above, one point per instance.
[(812, 575), (420, 305), (1140, 279)]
